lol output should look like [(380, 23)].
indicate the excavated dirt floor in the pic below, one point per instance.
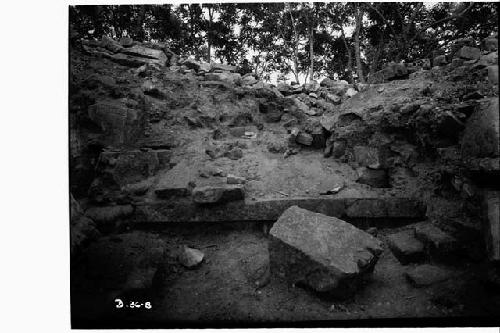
[(233, 287)]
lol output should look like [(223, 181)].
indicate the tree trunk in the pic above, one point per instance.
[(295, 49), (139, 32), (311, 52), (375, 59), (209, 38), (357, 50), (349, 55), (98, 22)]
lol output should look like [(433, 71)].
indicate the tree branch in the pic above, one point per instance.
[(383, 18)]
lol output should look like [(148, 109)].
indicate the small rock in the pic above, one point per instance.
[(367, 156), (380, 90), (335, 99), (250, 135), (457, 62), (440, 60), (234, 154), (217, 194), (290, 152), (276, 147), (222, 67), (313, 95), (334, 190), (232, 179), (351, 92), (339, 148), (490, 44), (193, 122), (473, 95), (190, 258), (126, 41), (305, 139), (139, 188), (218, 134), (372, 231)]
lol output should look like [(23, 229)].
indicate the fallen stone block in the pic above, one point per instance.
[(493, 74), (146, 54), (490, 43), (226, 68), (303, 138), (130, 166), (481, 134), (323, 253), (426, 275), (470, 53), (367, 156), (82, 231), (397, 208), (118, 123), (232, 179), (437, 242), (106, 214), (440, 60), (126, 41), (221, 194), (169, 192), (230, 78), (110, 44), (373, 178), (405, 247), (492, 224)]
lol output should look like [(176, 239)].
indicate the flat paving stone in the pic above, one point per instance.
[(426, 275), (405, 247)]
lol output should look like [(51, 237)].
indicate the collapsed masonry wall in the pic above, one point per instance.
[(132, 105)]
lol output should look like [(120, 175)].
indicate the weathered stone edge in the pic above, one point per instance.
[(270, 210)]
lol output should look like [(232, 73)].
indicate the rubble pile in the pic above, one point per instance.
[(143, 121)]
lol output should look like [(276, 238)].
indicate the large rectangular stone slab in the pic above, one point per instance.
[(321, 252), (395, 210)]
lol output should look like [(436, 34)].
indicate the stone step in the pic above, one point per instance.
[(438, 244), (358, 211), (405, 247)]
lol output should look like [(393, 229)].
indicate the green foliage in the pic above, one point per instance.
[(276, 37)]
